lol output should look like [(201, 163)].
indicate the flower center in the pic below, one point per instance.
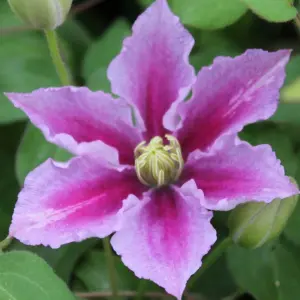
[(157, 164)]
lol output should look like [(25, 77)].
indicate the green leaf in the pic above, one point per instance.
[(78, 40), (209, 14), (291, 93), (292, 70), (292, 231), (145, 3), (25, 276), (273, 10), (62, 260), (93, 272), (281, 143), (268, 273), (20, 70), (298, 154), (216, 283), (206, 14), (102, 51), (9, 187), (34, 150), (98, 81), (21, 56), (210, 45), (286, 270), (287, 113), (247, 266), (291, 90)]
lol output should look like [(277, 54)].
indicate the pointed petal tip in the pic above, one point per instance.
[(153, 65), (168, 238)]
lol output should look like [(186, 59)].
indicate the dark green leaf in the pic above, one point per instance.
[(282, 145), (291, 90), (286, 270), (105, 48), (287, 113), (34, 150), (145, 3), (210, 45), (25, 276), (98, 81), (216, 283), (9, 188), (292, 70), (62, 260), (268, 273), (252, 271), (21, 57), (78, 39), (93, 272), (292, 231)]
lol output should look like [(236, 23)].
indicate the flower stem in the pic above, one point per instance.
[(5, 243), (211, 258), (58, 62), (111, 267)]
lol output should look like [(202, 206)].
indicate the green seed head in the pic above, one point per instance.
[(158, 164), (41, 14)]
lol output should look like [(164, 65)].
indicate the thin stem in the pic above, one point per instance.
[(5, 243), (211, 258), (56, 57), (111, 268)]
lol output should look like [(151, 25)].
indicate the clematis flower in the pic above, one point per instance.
[(154, 181)]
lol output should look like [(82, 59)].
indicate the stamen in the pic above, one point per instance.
[(158, 164)]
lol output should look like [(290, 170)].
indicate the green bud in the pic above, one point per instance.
[(254, 223), (41, 14)]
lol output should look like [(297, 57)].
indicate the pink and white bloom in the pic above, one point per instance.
[(158, 199)]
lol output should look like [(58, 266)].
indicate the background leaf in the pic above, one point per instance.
[(292, 231), (21, 65), (268, 273), (25, 276), (62, 260), (9, 188), (273, 10), (217, 282), (93, 273), (209, 14), (206, 14), (101, 53), (280, 141), (34, 150)]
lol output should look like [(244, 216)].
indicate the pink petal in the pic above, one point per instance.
[(60, 204), (229, 94), (166, 236), (237, 172), (152, 69), (81, 120)]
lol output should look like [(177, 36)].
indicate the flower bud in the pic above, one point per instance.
[(41, 14), (254, 223)]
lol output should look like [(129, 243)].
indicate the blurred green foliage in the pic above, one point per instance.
[(89, 41)]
